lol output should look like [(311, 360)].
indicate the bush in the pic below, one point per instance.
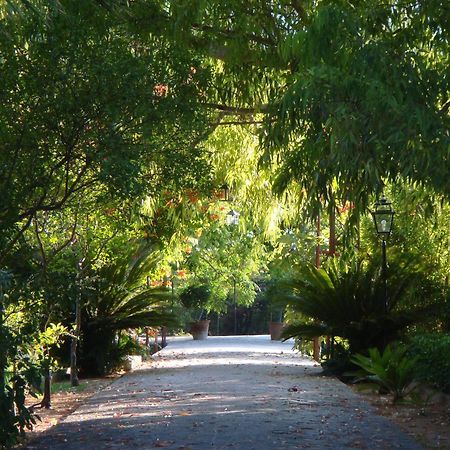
[(105, 354), (346, 300), (393, 371), (433, 359), (15, 417), (195, 296)]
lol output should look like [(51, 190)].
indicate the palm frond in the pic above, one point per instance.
[(123, 299), (307, 331), (347, 300)]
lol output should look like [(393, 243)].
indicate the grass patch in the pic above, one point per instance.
[(65, 386)]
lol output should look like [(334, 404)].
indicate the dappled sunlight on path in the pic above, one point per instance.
[(236, 392)]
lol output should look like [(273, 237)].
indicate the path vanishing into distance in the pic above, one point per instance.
[(236, 392)]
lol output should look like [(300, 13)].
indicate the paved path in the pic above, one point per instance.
[(225, 393)]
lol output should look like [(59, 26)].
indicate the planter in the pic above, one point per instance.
[(275, 329), (132, 362), (199, 330)]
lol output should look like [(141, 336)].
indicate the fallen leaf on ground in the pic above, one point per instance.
[(162, 444)]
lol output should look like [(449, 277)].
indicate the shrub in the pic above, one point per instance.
[(125, 345), (15, 417), (121, 300), (392, 370), (346, 300), (195, 296), (433, 359)]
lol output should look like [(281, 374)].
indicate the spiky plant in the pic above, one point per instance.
[(347, 300), (392, 370), (120, 300)]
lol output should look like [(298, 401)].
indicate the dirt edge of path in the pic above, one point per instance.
[(426, 421), (64, 403)]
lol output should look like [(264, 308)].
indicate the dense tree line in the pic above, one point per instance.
[(120, 121)]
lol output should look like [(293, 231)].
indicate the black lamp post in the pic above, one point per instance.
[(383, 217), (233, 219)]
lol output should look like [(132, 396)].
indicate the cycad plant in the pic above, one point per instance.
[(121, 299), (392, 370), (346, 300)]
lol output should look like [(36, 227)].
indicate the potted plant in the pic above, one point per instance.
[(194, 298), (276, 325)]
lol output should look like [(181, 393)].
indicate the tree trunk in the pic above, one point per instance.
[(74, 345), (46, 401), (2, 347), (332, 241), (316, 343), (76, 335)]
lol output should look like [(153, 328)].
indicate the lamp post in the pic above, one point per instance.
[(233, 217), (235, 306), (383, 218)]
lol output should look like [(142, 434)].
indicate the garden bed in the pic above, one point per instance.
[(427, 421)]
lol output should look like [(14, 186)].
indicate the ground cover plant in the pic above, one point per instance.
[(392, 370), (347, 300)]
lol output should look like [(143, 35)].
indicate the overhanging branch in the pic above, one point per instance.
[(237, 110)]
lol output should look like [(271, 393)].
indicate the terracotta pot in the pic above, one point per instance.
[(199, 330), (275, 329)]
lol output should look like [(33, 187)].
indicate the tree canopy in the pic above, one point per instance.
[(350, 93), (120, 122), (86, 106)]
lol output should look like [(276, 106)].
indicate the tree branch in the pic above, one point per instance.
[(13, 241), (298, 8), (41, 246), (242, 122), (230, 34), (238, 110), (57, 204)]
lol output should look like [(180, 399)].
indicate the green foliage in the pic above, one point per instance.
[(119, 298), (347, 300), (118, 349), (23, 378), (432, 351), (27, 356), (393, 370), (195, 296), (15, 417), (420, 235), (90, 109), (227, 259), (346, 96), (332, 80)]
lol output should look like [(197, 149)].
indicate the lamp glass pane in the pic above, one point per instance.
[(383, 221), (233, 217)]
